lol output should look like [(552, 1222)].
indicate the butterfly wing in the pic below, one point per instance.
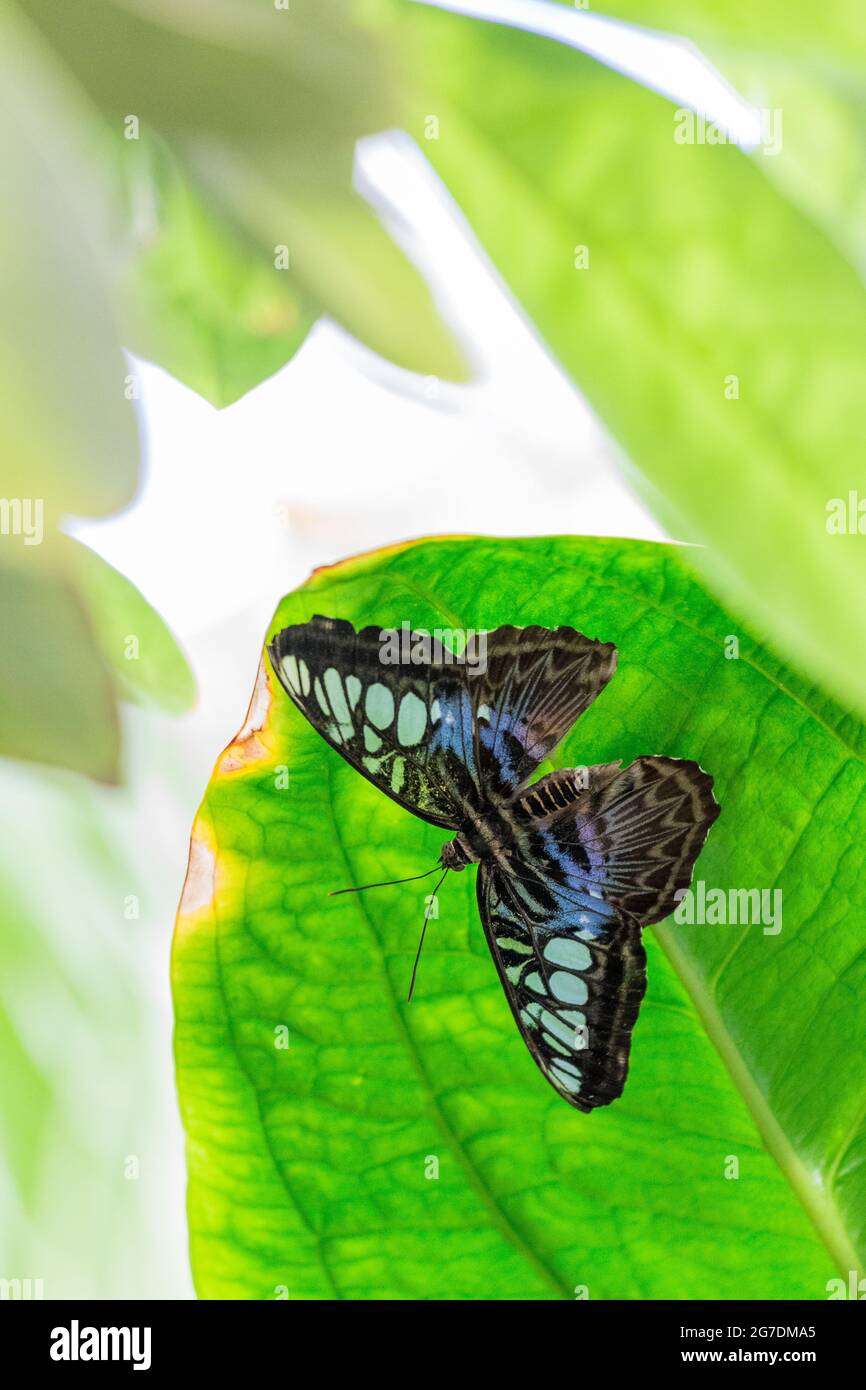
[(534, 684), (628, 837), (574, 993), (407, 728), (597, 857)]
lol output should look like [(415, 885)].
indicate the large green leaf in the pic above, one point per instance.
[(717, 330), (307, 1163), (807, 63)]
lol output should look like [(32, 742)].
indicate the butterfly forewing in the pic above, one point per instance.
[(442, 739), (408, 728), (534, 685)]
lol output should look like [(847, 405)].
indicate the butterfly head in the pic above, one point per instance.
[(457, 854)]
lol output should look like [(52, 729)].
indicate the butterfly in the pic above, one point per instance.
[(570, 867)]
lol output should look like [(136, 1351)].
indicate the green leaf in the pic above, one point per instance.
[(809, 65), (829, 33), (307, 1163), (218, 319), (719, 334), (76, 635), (261, 109), (67, 432), (57, 699), (147, 663)]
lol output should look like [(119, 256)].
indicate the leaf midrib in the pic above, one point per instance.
[(817, 1202)]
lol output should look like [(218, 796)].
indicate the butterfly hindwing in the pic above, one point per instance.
[(406, 728), (629, 838), (599, 853), (574, 987)]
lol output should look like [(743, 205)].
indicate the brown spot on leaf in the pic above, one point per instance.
[(247, 747), (199, 886)]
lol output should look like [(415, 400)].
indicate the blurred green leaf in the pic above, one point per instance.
[(217, 319), (57, 702), (85, 884), (76, 635), (809, 63), (328, 235), (821, 167), (68, 434), (146, 661), (307, 1164), (261, 108), (832, 32), (720, 335)]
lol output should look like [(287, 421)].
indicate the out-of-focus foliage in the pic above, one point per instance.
[(178, 183), (718, 330), (68, 435), (808, 62), (67, 430), (91, 1170), (260, 107), (310, 1151), (195, 300), (143, 657), (57, 694)]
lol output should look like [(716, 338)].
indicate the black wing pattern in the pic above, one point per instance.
[(407, 727), (441, 739), (535, 684), (598, 855)]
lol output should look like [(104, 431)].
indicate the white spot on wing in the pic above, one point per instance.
[(561, 950), (291, 673), (379, 704), (337, 698), (571, 989), (412, 720)]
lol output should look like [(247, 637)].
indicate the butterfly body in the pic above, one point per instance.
[(569, 868), (481, 838)]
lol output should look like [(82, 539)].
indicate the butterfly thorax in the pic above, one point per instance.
[(482, 838), (493, 834)]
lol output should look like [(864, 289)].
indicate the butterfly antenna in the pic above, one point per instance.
[(423, 930), (388, 884)]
